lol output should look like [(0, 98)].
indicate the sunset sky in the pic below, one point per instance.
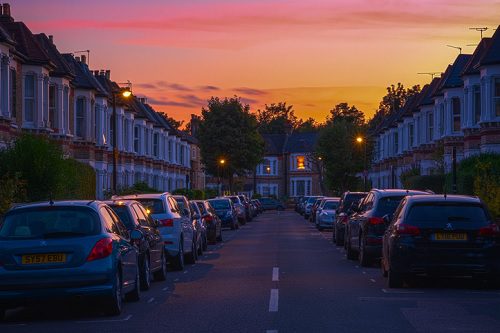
[(312, 54)]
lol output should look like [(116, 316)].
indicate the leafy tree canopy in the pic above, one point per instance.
[(228, 130), (277, 118)]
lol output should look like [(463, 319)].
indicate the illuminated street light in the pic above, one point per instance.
[(126, 93), (360, 140)]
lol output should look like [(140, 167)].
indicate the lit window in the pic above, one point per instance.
[(301, 163)]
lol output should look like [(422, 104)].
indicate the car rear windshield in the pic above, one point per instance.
[(312, 200), (220, 204), (180, 203), (388, 205), (351, 199), (124, 215), (438, 214), (330, 205), (155, 206), (50, 222)]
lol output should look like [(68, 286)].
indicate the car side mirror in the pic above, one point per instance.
[(135, 235)]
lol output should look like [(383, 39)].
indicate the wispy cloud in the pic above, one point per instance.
[(250, 91)]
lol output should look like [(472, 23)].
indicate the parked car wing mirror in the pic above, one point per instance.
[(156, 223)]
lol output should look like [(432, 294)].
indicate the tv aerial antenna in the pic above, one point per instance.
[(432, 74), (456, 47), (481, 30)]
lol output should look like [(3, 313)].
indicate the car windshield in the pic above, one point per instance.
[(124, 215), (154, 206), (220, 204), (388, 205), (330, 205), (458, 214), (50, 222)]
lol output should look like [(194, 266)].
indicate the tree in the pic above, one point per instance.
[(228, 130), (309, 125), (396, 97), (342, 157), (277, 118)]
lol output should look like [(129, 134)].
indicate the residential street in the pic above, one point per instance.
[(278, 274)]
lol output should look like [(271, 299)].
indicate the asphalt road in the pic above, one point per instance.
[(278, 274)]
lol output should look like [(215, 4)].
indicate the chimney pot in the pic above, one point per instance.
[(77, 58), (6, 9), (108, 74), (84, 59), (51, 39)]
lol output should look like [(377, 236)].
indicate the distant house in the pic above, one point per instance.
[(457, 114), (289, 167)]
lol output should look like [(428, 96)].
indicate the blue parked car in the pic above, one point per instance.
[(67, 249)]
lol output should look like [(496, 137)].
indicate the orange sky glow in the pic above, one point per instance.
[(312, 54)]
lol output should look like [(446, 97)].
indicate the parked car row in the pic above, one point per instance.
[(414, 233), (106, 249)]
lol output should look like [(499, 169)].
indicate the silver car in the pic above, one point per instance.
[(326, 213), (174, 224)]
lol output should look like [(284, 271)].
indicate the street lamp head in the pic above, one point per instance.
[(222, 161), (359, 139), (126, 92)]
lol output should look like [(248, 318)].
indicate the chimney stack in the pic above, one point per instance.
[(108, 74), (1, 9), (84, 59), (77, 58), (6, 9), (51, 39)]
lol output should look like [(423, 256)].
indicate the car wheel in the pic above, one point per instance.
[(161, 275), (135, 294), (382, 267), (334, 235), (351, 255), (205, 243), (178, 260), (145, 273), (339, 239), (219, 238), (191, 257), (200, 248), (395, 280), (113, 305), (364, 260)]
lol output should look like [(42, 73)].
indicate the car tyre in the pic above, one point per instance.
[(145, 273), (219, 238), (205, 243), (199, 252), (351, 255), (113, 304), (135, 294), (161, 274), (178, 260), (395, 280), (364, 260), (382, 267), (191, 257)]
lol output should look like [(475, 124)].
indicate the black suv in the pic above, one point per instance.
[(344, 210), (366, 226), (441, 235), (152, 257)]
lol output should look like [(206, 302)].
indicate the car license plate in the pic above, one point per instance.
[(45, 258), (449, 236)]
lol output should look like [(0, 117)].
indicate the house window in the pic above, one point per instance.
[(80, 117), (476, 95), (29, 98), (181, 155), (430, 126), (66, 108), (125, 134), (156, 138), (97, 122), (396, 143), (147, 142), (496, 98), (441, 119), (301, 162), (53, 106), (455, 106), (410, 135), (13, 93), (136, 139), (300, 187), (169, 153)]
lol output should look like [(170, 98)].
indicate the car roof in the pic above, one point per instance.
[(60, 203), (432, 198), (388, 192), (124, 202), (141, 196)]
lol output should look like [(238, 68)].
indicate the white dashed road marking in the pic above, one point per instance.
[(276, 273), (273, 300), (151, 300)]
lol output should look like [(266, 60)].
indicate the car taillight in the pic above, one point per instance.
[(101, 249), (405, 229), (208, 219), (345, 219), (376, 220), (167, 222), (491, 230)]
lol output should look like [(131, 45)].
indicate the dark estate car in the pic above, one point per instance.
[(152, 256), (342, 214), (271, 203), (225, 211), (67, 249), (441, 235), (366, 227), (212, 222)]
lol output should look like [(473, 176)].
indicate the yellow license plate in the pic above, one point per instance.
[(449, 236), (45, 258)]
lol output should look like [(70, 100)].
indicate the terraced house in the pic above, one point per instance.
[(458, 113), (44, 91)]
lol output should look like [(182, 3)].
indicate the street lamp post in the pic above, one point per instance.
[(124, 92), (268, 171), (220, 166), (362, 141)]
